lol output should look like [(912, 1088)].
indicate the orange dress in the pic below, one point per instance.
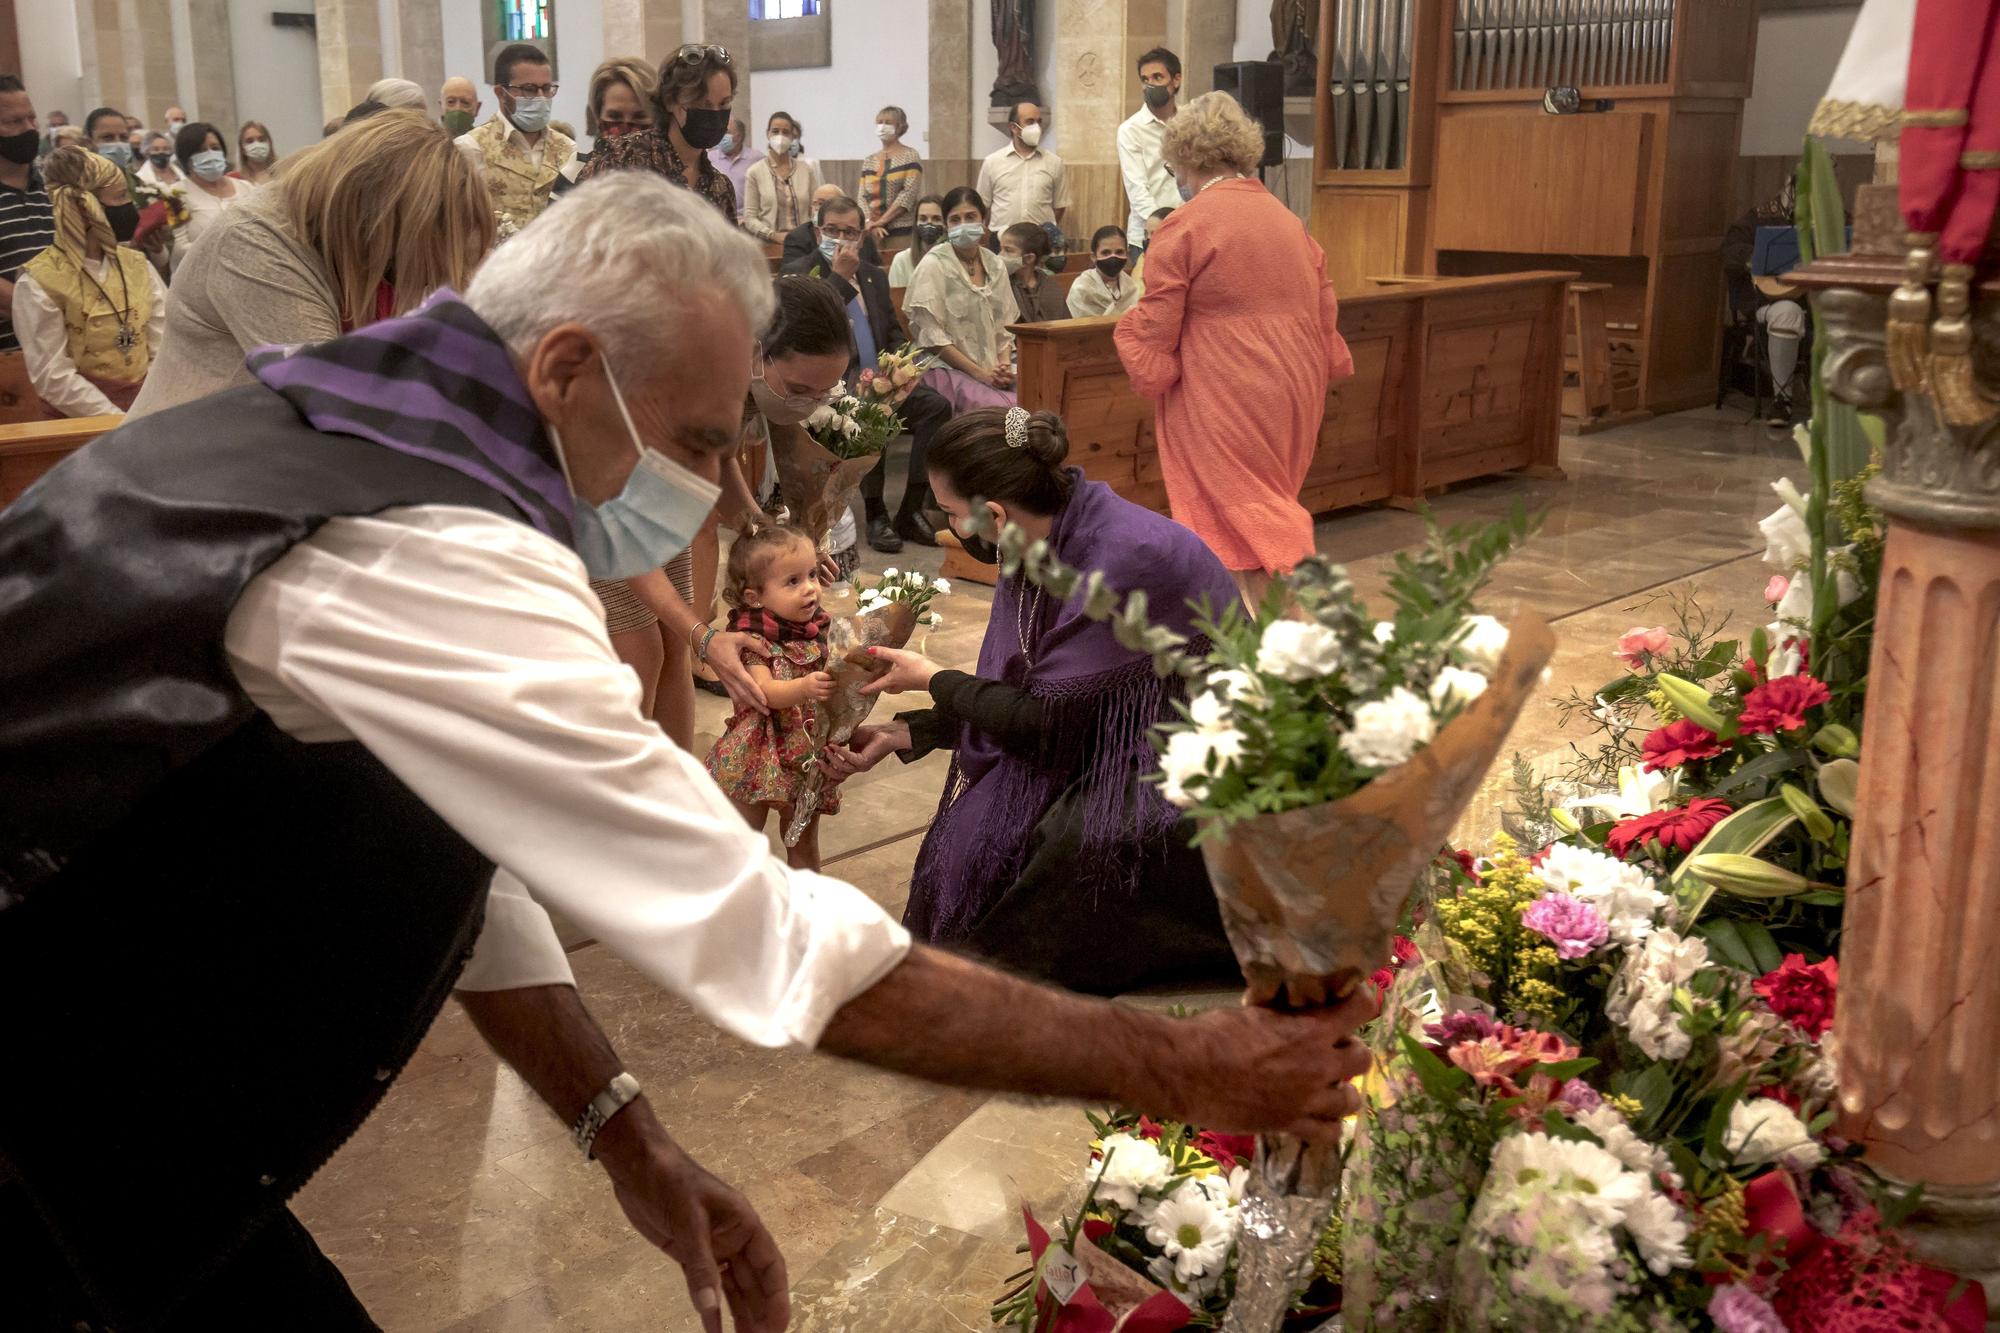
[(1235, 341)]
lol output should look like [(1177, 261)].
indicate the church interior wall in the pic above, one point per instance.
[(277, 75)]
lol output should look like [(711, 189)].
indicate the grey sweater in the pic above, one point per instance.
[(247, 282)]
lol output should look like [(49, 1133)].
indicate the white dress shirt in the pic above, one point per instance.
[(467, 653), (1148, 183), (38, 323), (1022, 187)]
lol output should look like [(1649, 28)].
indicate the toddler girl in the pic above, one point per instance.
[(773, 591)]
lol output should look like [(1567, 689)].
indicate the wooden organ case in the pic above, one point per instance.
[(1433, 154)]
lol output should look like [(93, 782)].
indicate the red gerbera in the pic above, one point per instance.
[(1677, 829), (1678, 743), (1780, 705), (1802, 995), (1401, 955)]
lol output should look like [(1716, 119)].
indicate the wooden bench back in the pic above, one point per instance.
[(29, 449)]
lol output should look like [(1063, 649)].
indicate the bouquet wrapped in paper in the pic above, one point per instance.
[(848, 640), (821, 464)]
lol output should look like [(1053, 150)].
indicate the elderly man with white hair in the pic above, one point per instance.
[(335, 720)]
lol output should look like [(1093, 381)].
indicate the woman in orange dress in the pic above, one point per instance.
[(1235, 342)]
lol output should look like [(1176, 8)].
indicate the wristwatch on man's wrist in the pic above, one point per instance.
[(617, 1094)]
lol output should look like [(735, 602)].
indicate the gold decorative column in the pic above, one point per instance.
[(1919, 1015)]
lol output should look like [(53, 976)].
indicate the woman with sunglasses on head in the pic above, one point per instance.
[(690, 111)]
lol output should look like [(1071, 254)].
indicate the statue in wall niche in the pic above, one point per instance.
[(1294, 29), (1014, 42)]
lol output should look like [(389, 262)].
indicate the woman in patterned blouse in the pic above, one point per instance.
[(690, 116), (892, 179)]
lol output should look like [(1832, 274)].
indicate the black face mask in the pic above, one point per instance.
[(20, 149), (1111, 266), (704, 128), (159, 160), (985, 552), (124, 219), (930, 233), (1157, 95)]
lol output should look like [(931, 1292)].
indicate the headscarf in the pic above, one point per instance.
[(1100, 702), (74, 176)]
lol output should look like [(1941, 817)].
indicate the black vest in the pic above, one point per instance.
[(217, 945)]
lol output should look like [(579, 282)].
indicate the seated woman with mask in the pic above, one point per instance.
[(1105, 288), (88, 310), (959, 305), (1050, 853)]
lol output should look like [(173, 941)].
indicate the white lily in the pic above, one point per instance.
[(1639, 793)]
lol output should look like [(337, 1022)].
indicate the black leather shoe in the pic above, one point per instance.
[(882, 535), (916, 528)]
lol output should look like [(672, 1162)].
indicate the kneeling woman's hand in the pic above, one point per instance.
[(907, 671), (868, 747)]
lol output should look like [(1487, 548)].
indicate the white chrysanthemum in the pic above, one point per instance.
[(1385, 632), (1619, 1140), (1484, 643), (822, 416), (1660, 1229), (1239, 687), (1208, 712), (1624, 895), (1641, 998), (1604, 1188), (1387, 731), (1130, 1166), (1193, 1232), (1764, 1129), (1298, 650), (1456, 687)]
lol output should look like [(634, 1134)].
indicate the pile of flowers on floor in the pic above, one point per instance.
[(1604, 1094)]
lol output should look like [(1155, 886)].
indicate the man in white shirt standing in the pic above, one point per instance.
[(1024, 182), (520, 156), (1141, 139), (274, 782)]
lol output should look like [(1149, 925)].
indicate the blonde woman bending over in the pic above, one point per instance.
[(310, 258)]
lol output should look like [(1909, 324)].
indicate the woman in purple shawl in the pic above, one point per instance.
[(1049, 853)]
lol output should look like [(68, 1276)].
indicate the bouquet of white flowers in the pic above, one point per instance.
[(911, 587)]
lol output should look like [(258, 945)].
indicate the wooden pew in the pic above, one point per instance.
[(1454, 378), (29, 449), (18, 400)]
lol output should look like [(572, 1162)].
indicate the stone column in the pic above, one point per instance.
[(1203, 36), (647, 28), (349, 37), (949, 133), (205, 72), (1919, 984), (147, 27), (103, 49), (726, 23), (419, 47)]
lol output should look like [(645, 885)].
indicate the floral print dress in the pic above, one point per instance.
[(761, 758)]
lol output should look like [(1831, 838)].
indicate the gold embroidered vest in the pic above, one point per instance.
[(91, 314), (519, 187)]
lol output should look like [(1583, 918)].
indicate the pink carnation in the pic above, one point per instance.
[(1636, 646), (1737, 1309), (1775, 590), (1572, 925)]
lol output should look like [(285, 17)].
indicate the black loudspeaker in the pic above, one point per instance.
[(1259, 85)]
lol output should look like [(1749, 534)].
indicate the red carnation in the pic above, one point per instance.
[(1802, 995), (1679, 743), (1226, 1149), (1780, 705), (1678, 829), (1401, 955)]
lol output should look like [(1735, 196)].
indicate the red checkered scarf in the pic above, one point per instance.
[(756, 620)]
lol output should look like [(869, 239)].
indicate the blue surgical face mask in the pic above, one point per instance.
[(1186, 193), (530, 114), (653, 519), (209, 165), (967, 234), (727, 146), (828, 246), (119, 153)]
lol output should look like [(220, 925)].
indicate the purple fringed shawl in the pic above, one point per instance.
[(1099, 702)]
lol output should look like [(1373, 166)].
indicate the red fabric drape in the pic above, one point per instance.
[(1970, 217), (1950, 45)]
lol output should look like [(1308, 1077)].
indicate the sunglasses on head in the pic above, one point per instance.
[(694, 53)]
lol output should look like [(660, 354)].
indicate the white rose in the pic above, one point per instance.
[(942, 587), (1484, 641), (1239, 687), (1298, 650), (1388, 731), (1129, 1166), (1208, 712), (1456, 687), (889, 573), (1764, 1129)]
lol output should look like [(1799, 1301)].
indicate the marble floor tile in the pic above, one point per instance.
[(461, 1205)]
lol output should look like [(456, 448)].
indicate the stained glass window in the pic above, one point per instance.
[(784, 9), (525, 20)]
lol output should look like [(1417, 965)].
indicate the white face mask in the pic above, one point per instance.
[(780, 143), (1031, 135), (885, 132)]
